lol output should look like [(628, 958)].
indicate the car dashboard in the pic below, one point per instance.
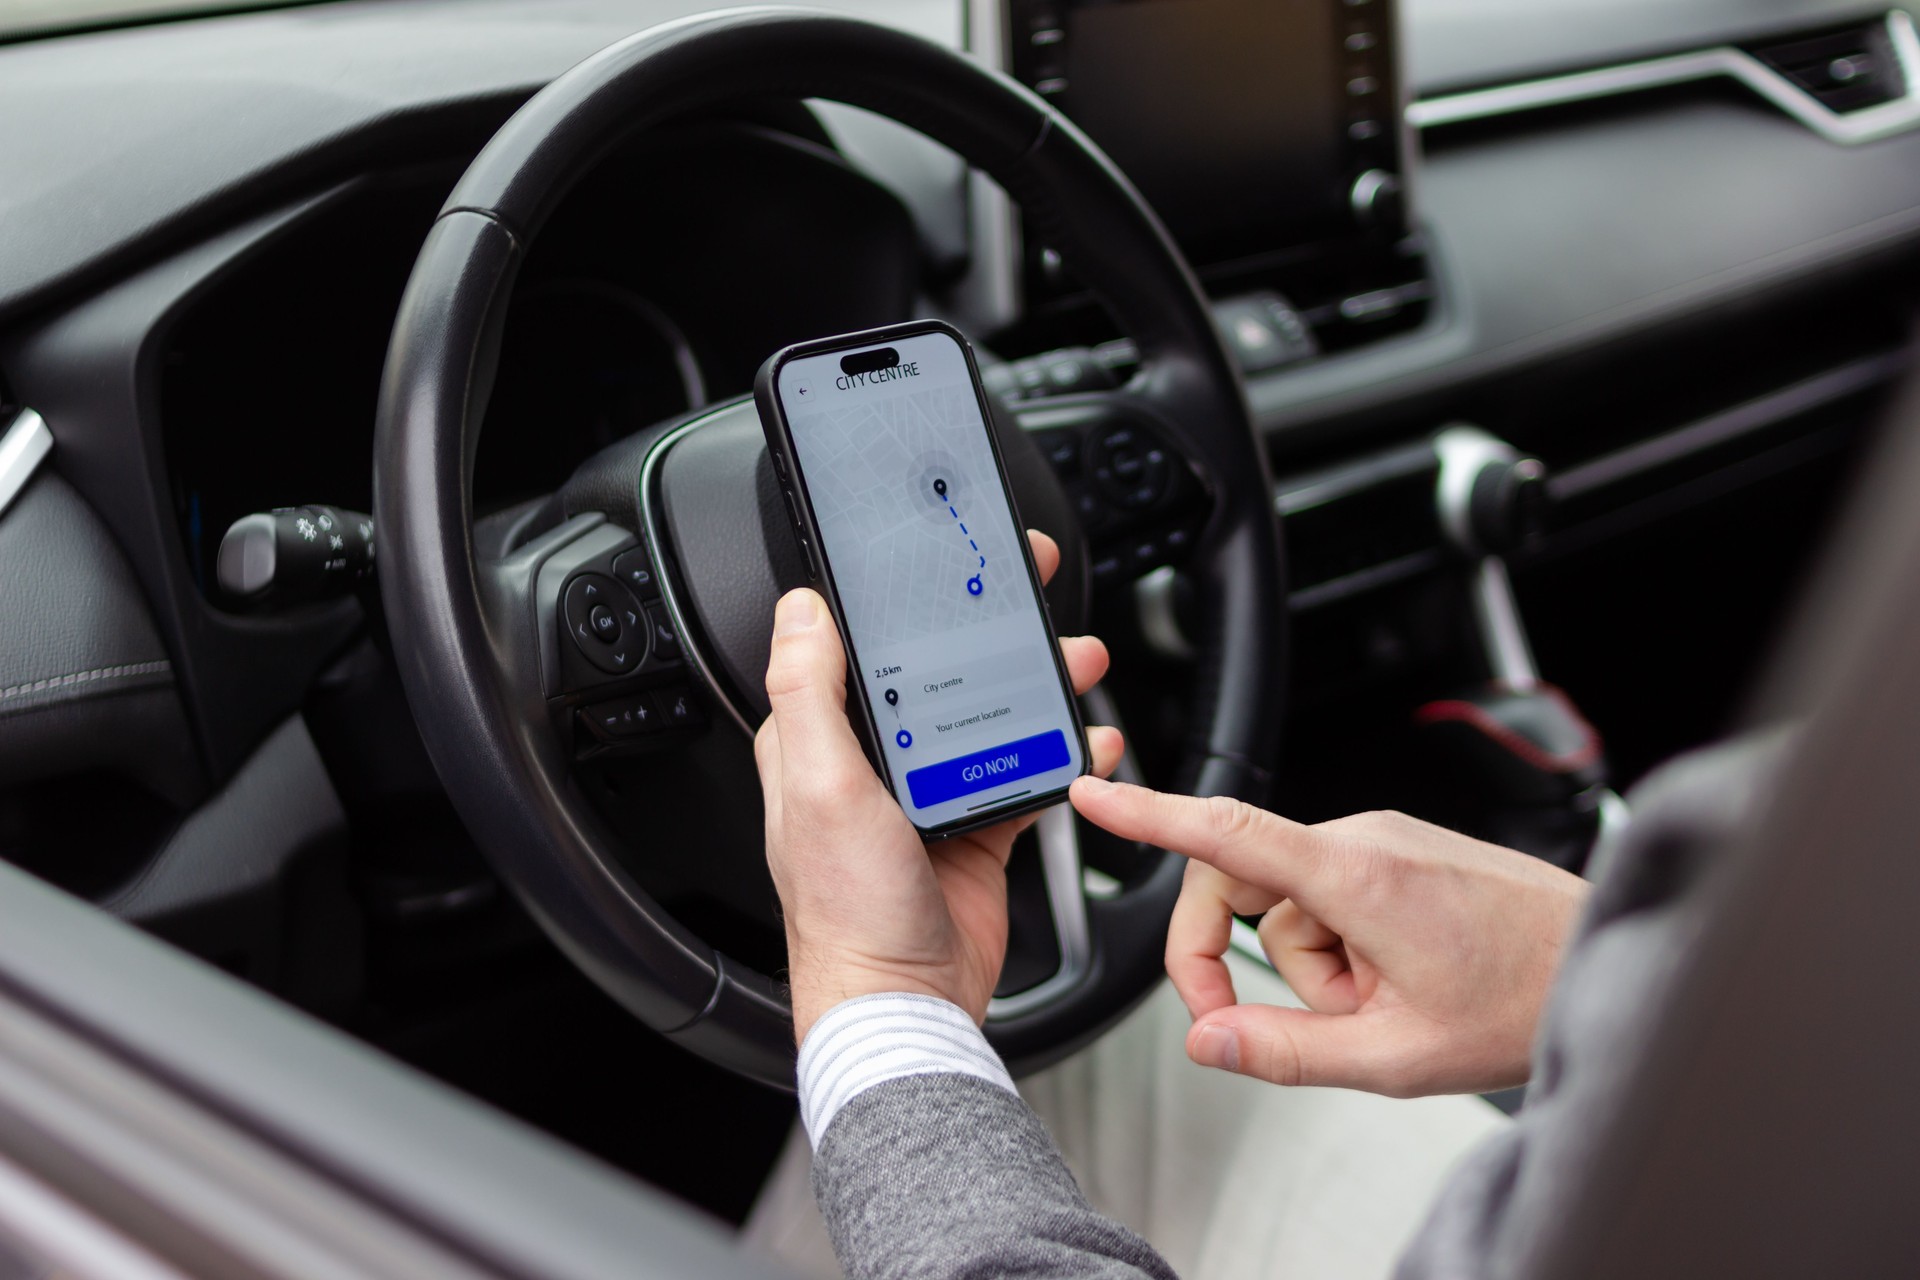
[(1666, 248)]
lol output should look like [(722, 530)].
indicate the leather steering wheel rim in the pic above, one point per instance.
[(458, 636)]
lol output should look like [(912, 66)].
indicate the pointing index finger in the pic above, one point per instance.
[(1250, 845)]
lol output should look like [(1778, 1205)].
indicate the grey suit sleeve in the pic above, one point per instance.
[(1493, 1215), (950, 1176)]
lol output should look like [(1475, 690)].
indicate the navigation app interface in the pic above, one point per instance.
[(945, 631)]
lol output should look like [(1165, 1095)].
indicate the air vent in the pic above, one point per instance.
[(1849, 69)]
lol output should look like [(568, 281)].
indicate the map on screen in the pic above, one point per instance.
[(946, 634), (918, 546)]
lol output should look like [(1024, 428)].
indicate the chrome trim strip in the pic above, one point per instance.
[(1850, 129), (655, 530), (1066, 899), (23, 447)]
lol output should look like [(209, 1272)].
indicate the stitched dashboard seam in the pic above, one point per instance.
[(98, 675)]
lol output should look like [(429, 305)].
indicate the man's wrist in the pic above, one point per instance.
[(818, 984), (872, 1039)]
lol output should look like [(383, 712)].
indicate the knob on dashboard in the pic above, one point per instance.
[(1377, 199), (1491, 499)]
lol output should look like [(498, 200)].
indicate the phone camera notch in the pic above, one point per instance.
[(869, 361)]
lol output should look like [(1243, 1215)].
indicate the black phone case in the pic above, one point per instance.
[(773, 421)]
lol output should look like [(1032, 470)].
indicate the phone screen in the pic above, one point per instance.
[(945, 628)]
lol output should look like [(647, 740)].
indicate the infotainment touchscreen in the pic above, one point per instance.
[(1246, 123)]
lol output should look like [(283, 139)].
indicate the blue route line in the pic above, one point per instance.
[(974, 585)]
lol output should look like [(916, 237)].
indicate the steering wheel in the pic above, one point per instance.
[(680, 531)]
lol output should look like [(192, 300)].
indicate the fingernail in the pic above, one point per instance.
[(1217, 1046), (797, 611), (1097, 786)]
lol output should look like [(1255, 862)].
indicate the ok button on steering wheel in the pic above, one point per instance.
[(607, 622)]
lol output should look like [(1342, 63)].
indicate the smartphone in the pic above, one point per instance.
[(899, 496)]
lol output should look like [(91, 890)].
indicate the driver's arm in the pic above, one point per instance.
[(931, 1165), (926, 1162)]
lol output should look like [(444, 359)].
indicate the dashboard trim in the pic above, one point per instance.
[(24, 445), (1850, 129), (1809, 395)]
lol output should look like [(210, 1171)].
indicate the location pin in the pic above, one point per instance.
[(940, 487), (893, 697)]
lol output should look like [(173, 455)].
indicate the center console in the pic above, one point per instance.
[(1269, 135)]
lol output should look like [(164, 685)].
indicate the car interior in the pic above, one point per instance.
[(1442, 405)]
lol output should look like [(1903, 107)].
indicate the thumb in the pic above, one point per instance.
[(807, 685), (1287, 1046)]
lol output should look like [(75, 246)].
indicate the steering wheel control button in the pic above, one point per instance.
[(1062, 447), (635, 568), (666, 641), (641, 714), (680, 709), (593, 607), (626, 718), (1129, 466), (987, 770)]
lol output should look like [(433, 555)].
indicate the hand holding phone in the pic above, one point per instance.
[(901, 502), (867, 905)]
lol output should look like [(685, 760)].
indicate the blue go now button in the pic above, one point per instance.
[(964, 775)]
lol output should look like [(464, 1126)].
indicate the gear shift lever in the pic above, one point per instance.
[(1520, 742), (1490, 502)]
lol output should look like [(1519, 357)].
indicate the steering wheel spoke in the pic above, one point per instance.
[(603, 651), (1062, 886)]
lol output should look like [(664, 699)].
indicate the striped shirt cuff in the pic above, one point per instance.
[(867, 1041)]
